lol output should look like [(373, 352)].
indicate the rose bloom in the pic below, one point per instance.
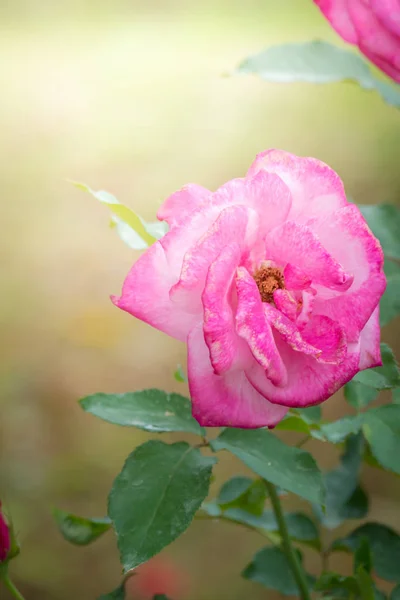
[(5, 539), (372, 25), (273, 281)]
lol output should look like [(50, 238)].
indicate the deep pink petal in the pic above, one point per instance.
[(337, 13), (297, 244), (286, 303), (326, 335), (370, 352), (308, 301), (225, 400), (253, 327), (295, 278), (145, 295), (347, 236), (289, 331), (309, 381), (234, 224), (182, 203), (227, 349), (315, 187), (375, 40), (388, 13)]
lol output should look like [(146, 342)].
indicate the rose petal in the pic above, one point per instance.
[(176, 209), (309, 381), (145, 295), (337, 13), (286, 303), (326, 335), (234, 223), (388, 13), (297, 244), (289, 331), (315, 187), (253, 327), (370, 352), (225, 400), (347, 236), (227, 349), (295, 278)]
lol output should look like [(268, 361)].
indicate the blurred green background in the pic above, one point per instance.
[(135, 97)]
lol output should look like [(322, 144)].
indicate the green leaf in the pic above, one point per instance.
[(312, 414), (241, 492), (118, 594), (384, 221), (300, 527), (345, 499), (233, 490), (155, 497), (338, 431), (359, 395), (142, 235), (293, 423), (180, 375), (365, 584), (289, 468), (78, 530), (362, 556), (270, 568), (382, 431), (151, 410), (396, 395), (382, 378), (385, 548), (390, 301), (316, 62), (333, 583), (395, 594)]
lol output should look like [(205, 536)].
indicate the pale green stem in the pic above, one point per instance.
[(10, 586), (292, 558)]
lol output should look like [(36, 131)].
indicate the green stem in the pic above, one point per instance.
[(11, 587), (287, 547)]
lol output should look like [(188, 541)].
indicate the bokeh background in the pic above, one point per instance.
[(136, 97)]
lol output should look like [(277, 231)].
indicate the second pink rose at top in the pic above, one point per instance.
[(372, 25)]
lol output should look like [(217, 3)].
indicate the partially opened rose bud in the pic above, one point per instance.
[(5, 537)]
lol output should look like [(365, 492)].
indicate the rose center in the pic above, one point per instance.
[(269, 279)]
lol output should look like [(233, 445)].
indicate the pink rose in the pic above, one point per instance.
[(372, 25), (273, 281), (5, 538)]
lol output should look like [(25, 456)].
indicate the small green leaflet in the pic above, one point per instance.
[(78, 530), (359, 395), (180, 374), (385, 548), (155, 497), (382, 430), (152, 410), (317, 62), (133, 230), (345, 499), (287, 467), (384, 221), (382, 378), (270, 568), (390, 301)]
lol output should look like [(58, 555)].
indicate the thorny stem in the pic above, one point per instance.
[(293, 560)]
